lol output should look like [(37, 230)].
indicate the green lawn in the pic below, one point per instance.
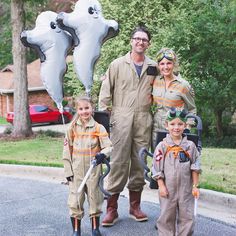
[(3, 121), (218, 165), (39, 151)]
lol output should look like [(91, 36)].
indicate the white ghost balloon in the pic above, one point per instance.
[(89, 30), (52, 44)]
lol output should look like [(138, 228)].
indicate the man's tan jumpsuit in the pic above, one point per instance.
[(85, 143), (177, 176), (129, 98), (179, 94)]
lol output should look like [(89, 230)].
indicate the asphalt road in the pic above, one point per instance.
[(38, 208)]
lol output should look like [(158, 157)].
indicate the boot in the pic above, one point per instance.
[(112, 214), (135, 210), (95, 226), (76, 226)]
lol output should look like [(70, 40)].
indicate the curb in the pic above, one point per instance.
[(56, 174)]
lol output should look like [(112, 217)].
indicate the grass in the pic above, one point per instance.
[(42, 151), (218, 165), (3, 121)]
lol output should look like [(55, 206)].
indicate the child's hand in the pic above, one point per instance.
[(99, 157), (163, 191), (69, 179), (195, 192)]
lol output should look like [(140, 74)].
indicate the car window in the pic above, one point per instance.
[(41, 108)]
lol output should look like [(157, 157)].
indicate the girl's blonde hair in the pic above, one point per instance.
[(77, 100)]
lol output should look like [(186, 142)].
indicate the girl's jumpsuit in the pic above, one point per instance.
[(85, 142)]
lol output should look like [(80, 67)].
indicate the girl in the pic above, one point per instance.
[(85, 140), (176, 167)]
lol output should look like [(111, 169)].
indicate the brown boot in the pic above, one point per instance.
[(135, 210), (112, 214)]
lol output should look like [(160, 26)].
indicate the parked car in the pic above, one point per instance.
[(44, 114)]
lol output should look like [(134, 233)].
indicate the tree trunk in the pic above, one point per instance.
[(219, 125), (22, 124)]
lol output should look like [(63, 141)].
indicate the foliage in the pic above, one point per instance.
[(201, 32), (207, 49), (224, 142), (32, 9), (73, 87)]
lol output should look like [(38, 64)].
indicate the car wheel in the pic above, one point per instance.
[(60, 120)]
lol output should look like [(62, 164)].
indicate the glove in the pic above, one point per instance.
[(70, 178), (99, 158)]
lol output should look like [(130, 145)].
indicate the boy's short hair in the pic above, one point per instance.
[(175, 113)]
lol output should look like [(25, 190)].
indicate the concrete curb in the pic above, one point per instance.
[(211, 204), (57, 175)]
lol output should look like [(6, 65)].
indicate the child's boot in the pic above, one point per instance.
[(76, 226), (95, 226)]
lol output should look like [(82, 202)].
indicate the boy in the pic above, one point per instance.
[(176, 168)]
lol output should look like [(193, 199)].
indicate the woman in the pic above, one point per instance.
[(169, 90)]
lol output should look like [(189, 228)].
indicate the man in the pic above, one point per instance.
[(126, 94)]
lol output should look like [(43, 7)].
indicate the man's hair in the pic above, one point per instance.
[(141, 28)]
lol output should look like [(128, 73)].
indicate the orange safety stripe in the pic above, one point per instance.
[(168, 102), (160, 85), (86, 152), (92, 134)]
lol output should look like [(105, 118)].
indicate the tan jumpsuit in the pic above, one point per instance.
[(178, 179), (85, 143), (179, 94), (129, 97)]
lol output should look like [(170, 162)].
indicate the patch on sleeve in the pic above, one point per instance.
[(158, 155), (65, 142)]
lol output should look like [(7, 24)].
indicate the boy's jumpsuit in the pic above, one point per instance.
[(177, 177), (86, 142), (179, 94)]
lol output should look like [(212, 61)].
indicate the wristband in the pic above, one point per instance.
[(195, 185)]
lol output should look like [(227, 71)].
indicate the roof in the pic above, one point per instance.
[(33, 75)]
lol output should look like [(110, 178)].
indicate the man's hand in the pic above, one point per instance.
[(99, 158)]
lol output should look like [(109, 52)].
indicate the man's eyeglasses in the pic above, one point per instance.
[(168, 54), (138, 40)]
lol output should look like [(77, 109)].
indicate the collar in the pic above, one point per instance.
[(147, 60), (171, 143), (90, 124), (176, 78)]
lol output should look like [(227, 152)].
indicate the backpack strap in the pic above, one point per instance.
[(175, 150)]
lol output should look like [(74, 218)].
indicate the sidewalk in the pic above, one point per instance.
[(211, 204)]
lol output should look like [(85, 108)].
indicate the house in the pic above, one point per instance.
[(37, 92)]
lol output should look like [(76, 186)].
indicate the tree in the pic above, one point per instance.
[(206, 40), (22, 124)]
